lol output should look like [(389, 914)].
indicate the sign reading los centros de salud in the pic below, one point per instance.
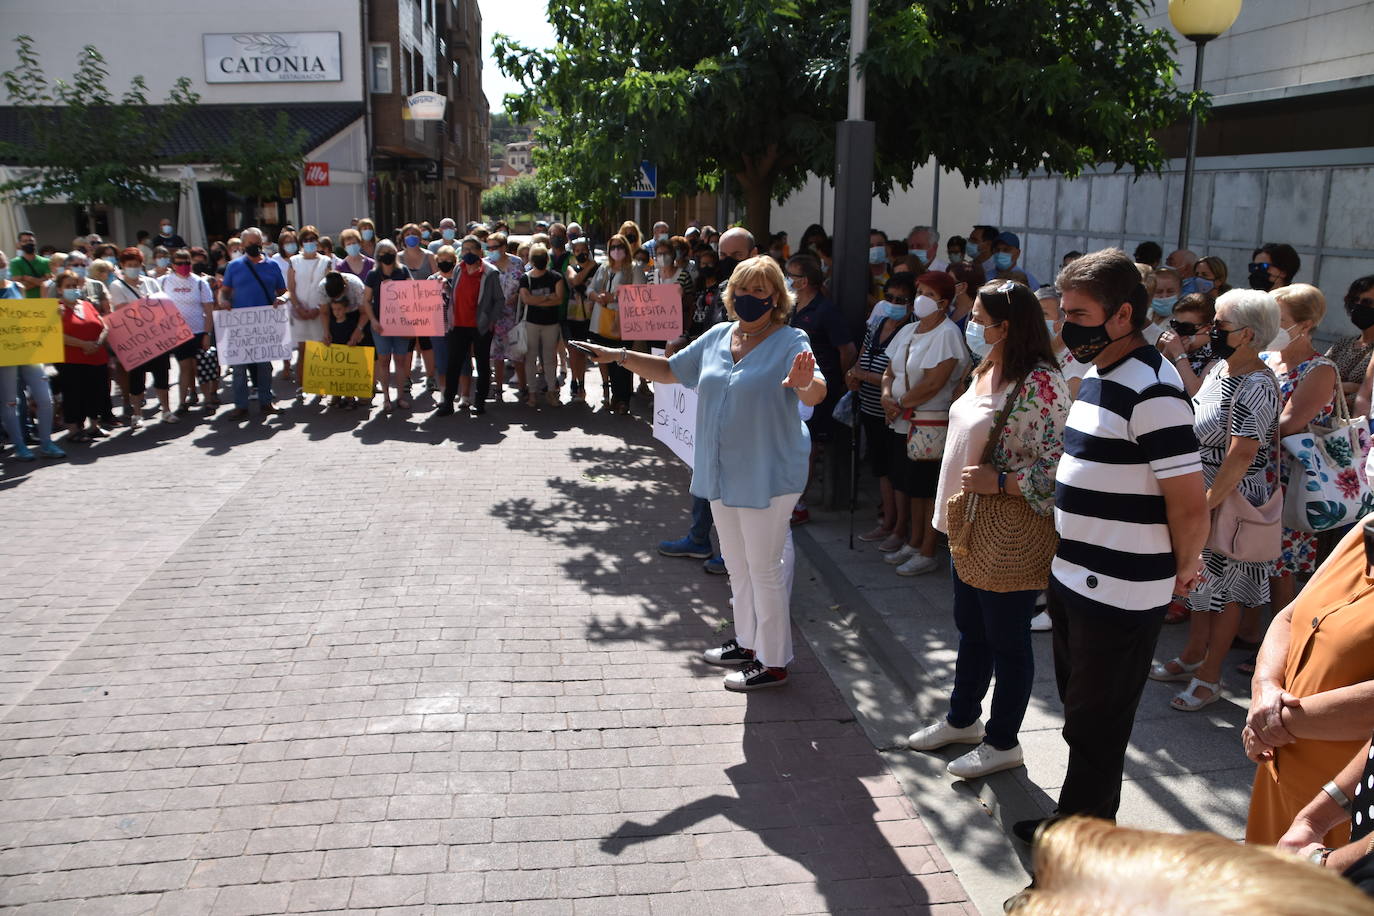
[(272, 57)]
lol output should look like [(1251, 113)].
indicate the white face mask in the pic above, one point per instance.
[(1283, 338), (924, 307)]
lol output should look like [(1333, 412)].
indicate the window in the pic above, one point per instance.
[(407, 73), (379, 73)]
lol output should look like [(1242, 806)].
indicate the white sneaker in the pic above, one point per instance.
[(984, 760), (463, 403), (936, 736), (918, 566), (1041, 623), (900, 555)]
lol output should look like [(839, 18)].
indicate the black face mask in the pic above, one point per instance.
[(541, 261), (1362, 317), (1259, 279), (1220, 342), (200, 267), (1086, 341), (28, 248), (726, 266), (582, 257), (469, 258), (387, 257), (446, 266), (252, 250), (752, 308)]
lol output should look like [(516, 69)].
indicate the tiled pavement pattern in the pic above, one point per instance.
[(409, 666)]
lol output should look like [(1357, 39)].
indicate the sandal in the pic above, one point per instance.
[(1247, 667), (877, 534), (1187, 700), (1159, 671)]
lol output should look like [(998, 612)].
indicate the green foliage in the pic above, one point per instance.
[(754, 90), (85, 145), (260, 156), (514, 198)]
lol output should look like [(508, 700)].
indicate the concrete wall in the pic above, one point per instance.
[(1320, 203), (163, 42)]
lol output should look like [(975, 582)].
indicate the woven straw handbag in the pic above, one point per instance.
[(998, 542)]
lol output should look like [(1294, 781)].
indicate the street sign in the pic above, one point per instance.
[(646, 185), (317, 174)]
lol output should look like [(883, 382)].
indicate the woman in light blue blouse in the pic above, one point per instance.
[(752, 452)]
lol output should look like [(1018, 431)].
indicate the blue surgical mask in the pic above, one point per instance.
[(450, 233), (920, 255), (955, 257), (787, 282), (368, 235), (1202, 286), (164, 262), (894, 311), (974, 337), (4, 274), (71, 294), (289, 247), (1049, 326), (877, 255), (133, 273), (424, 233), (79, 271), (1164, 306), (494, 256), (1002, 260), (353, 249), (412, 241), (310, 247)]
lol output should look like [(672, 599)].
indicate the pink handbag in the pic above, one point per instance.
[(1249, 534)]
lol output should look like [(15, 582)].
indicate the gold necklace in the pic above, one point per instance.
[(745, 335)]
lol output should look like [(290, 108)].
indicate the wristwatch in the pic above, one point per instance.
[(1319, 856)]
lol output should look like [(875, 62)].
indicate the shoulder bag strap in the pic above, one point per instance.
[(252, 270), (1000, 424)]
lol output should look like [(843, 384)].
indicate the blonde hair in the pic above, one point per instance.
[(1147, 278), (350, 233), (1305, 302), (765, 269), (99, 269), (1084, 865), (1217, 266)]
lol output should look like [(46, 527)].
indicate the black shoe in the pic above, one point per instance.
[(1025, 831), (728, 655), (478, 409), (754, 676), (444, 410)]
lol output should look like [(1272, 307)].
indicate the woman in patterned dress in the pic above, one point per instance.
[(1307, 385), (512, 269), (1236, 420)]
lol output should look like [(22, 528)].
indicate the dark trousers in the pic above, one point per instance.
[(1101, 662), (622, 379), (994, 637), (85, 391), (462, 344)]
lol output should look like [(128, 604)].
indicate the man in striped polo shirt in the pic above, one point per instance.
[(1131, 512)]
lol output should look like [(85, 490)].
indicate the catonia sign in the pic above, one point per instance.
[(272, 57)]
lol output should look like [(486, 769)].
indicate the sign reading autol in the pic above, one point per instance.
[(272, 57)]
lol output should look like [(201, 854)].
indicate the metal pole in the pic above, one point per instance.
[(858, 43), (935, 200), (1186, 205)]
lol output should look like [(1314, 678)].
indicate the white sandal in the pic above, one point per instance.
[(1187, 700), (1159, 671)]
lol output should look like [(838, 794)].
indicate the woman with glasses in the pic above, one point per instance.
[(1352, 354), (511, 270), (1187, 342)]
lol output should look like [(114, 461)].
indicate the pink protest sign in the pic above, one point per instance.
[(412, 308), (145, 328), (650, 312)]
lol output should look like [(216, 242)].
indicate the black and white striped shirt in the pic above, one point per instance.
[(1130, 428)]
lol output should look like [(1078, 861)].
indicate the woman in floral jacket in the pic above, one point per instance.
[(1008, 328)]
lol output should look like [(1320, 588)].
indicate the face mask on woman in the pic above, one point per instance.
[(182, 270), (133, 272), (447, 266), (924, 307), (353, 249), (164, 262), (412, 241), (894, 310), (368, 235), (290, 247), (616, 255), (877, 255), (310, 247), (387, 257), (752, 308), (71, 294), (975, 335), (79, 271), (1163, 306), (425, 233)]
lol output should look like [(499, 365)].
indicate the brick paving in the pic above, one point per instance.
[(409, 666)]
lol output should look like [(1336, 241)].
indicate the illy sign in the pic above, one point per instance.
[(272, 57), (317, 174)]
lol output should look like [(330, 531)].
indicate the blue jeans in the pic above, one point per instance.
[(700, 532), (10, 408), (994, 636), (440, 345), (262, 380)]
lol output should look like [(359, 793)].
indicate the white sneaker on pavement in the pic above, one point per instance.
[(918, 566), (900, 555), (984, 760), (934, 737), (1041, 623)]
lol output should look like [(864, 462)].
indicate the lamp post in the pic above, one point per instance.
[(1199, 21)]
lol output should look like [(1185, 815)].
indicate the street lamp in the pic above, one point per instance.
[(1199, 21)]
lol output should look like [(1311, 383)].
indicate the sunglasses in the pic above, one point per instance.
[(1365, 301), (1187, 328), (797, 276), (1256, 266)]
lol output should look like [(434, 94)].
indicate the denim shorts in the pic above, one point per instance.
[(386, 346)]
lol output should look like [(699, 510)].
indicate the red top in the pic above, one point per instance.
[(86, 326), (465, 298)]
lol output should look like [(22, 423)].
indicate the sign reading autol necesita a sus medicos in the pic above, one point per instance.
[(272, 57)]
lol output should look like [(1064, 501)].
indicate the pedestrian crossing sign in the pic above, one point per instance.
[(646, 185)]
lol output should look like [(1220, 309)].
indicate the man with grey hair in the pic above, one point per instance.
[(252, 281), (922, 243), (448, 231)]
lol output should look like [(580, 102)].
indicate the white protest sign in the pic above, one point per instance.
[(253, 335), (675, 418)]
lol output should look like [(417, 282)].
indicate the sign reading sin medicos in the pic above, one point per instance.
[(272, 57)]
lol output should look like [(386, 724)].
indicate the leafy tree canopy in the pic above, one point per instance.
[(259, 157), (514, 198), (754, 90), (84, 144)]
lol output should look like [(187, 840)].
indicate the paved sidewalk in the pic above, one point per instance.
[(410, 666)]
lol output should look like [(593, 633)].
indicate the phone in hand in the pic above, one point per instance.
[(582, 348)]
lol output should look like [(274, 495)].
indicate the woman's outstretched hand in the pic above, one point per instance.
[(802, 372)]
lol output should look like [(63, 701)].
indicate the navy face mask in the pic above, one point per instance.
[(752, 308)]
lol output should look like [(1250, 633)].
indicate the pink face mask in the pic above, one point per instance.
[(183, 270)]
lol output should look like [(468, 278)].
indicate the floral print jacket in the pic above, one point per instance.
[(1033, 440)]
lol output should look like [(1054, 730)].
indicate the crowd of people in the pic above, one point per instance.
[(1135, 444)]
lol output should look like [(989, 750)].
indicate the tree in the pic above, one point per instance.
[(754, 91), (258, 157), (83, 145), (514, 198)]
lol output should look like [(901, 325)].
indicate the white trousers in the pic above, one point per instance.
[(757, 546)]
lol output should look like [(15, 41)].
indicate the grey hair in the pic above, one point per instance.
[(389, 245), (934, 233), (252, 230), (1253, 309)]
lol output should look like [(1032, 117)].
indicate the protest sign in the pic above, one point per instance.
[(675, 417), (253, 335), (145, 328), (30, 332), (412, 308), (338, 370), (650, 312)]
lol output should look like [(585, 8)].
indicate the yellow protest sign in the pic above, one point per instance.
[(338, 370), (30, 332)]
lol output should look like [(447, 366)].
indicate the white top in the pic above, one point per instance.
[(1152, 332), (970, 421), (190, 295), (1071, 367), (282, 262), (309, 274), (913, 353), (123, 291)]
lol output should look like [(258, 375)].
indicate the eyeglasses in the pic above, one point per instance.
[(796, 276), (1187, 328), (899, 300)]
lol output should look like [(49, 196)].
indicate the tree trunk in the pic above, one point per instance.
[(758, 205)]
